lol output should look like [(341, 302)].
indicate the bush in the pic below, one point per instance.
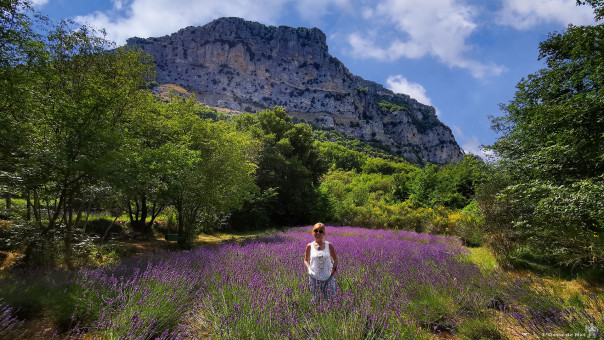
[(42, 246), (470, 229), (541, 224), (169, 225), (18, 209), (100, 226), (570, 223)]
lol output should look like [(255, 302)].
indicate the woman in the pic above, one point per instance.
[(321, 262)]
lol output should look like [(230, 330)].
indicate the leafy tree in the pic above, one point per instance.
[(340, 157), (72, 125), (289, 164), (552, 153), (144, 164), (553, 127), (20, 52), (210, 169), (386, 167)]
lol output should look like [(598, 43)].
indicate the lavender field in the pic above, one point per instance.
[(390, 285)]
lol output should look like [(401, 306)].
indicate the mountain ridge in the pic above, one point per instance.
[(247, 66)]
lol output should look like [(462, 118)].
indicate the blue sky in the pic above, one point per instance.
[(464, 57)]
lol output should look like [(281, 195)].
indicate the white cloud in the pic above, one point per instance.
[(437, 28), (118, 4), (400, 84), (523, 14), (146, 18), (367, 13), (39, 3), (470, 144)]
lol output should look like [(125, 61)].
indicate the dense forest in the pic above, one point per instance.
[(87, 149)]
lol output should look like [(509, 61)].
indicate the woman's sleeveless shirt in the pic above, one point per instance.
[(320, 262)]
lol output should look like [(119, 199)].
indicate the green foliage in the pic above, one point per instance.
[(553, 128), (289, 163), (479, 329), (371, 200), (598, 6), (391, 107), (21, 51), (545, 208), (210, 113), (555, 224), (80, 95), (89, 127), (451, 186), (384, 167), (210, 169), (102, 225), (340, 157), (374, 150)]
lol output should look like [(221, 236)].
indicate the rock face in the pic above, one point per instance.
[(247, 66)]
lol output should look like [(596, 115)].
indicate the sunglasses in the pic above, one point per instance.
[(318, 231)]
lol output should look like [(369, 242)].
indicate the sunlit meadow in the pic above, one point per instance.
[(390, 284)]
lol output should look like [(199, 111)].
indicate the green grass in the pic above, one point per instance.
[(484, 258), (479, 328)]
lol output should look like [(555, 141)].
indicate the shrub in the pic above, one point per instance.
[(100, 227), (170, 225), (541, 224)]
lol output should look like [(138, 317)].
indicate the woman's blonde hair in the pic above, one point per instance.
[(318, 226)]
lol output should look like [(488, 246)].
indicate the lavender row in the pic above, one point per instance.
[(389, 285)]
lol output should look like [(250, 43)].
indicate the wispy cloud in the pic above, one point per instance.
[(400, 84), (437, 28), (145, 18), (39, 3), (523, 14), (470, 144), (118, 4)]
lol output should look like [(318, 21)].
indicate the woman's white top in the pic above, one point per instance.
[(320, 262)]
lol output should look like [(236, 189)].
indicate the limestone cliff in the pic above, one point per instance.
[(247, 66)]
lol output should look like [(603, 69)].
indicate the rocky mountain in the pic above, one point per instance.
[(247, 66)]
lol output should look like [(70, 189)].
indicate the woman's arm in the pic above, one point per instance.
[(334, 257), (307, 257)]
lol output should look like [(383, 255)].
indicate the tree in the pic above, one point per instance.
[(144, 162), (20, 52), (340, 157), (72, 125), (289, 164), (210, 169), (553, 127), (552, 153)]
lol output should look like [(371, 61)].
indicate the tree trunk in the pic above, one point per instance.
[(181, 224), (9, 202), (37, 213), (140, 223), (154, 213), (68, 220), (28, 213)]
